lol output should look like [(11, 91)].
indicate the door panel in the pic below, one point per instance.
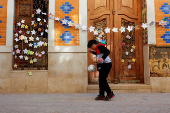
[(99, 16), (125, 72)]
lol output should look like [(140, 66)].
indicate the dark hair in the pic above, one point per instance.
[(91, 42)]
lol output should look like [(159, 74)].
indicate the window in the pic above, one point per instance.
[(30, 42)]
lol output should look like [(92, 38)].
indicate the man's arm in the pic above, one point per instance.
[(104, 50)]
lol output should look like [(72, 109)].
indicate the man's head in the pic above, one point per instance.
[(92, 44)]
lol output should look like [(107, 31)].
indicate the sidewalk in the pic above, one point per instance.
[(85, 103)]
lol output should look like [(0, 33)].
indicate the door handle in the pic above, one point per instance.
[(114, 11)]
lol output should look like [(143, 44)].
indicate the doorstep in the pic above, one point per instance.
[(122, 88)]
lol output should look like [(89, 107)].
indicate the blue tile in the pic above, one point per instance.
[(167, 41), (68, 10), (165, 3), (67, 7), (69, 39), (166, 12), (0, 36), (67, 42), (162, 36), (166, 31), (1, 6), (67, 3), (167, 37), (64, 39), (0, 21), (61, 7)]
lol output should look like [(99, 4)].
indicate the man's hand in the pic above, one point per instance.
[(100, 60), (90, 50)]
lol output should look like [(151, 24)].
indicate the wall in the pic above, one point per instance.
[(61, 76), (159, 53)]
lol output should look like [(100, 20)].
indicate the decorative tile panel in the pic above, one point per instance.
[(3, 22), (66, 35)]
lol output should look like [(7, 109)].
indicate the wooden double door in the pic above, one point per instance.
[(126, 48)]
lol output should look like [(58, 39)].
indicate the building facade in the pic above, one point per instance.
[(43, 45)]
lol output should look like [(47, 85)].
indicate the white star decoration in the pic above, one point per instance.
[(77, 26), (115, 29), (26, 41), (144, 25), (38, 11), (16, 46), (91, 28), (58, 19), (43, 52), (64, 21), (107, 30), (84, 27), (46, 30), (22, 21), (33, 32), (13, 52), (37, 38), (30, 45), (96, 32), (129, 66), (35, 60), (45, 20), (18, 24), (130, 28), (44, 13), (42, 33), (36, 53), (122, 29), (38, 19), (26, 38), (25, 51), (16, 39), (32, 22), (28, 32), (21, 57), (16, 34), (70, 23), (40, 43)]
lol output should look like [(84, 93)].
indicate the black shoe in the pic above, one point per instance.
[(109, 96), (100, 97)]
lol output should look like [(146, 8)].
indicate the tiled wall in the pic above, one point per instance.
[(3, 21), (162, 11), (66, 35)]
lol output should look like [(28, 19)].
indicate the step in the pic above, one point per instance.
[(122, 88)]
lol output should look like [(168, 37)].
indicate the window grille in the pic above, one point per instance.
[(30, 42)]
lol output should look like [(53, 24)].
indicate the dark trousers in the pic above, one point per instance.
[(103, 74)]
